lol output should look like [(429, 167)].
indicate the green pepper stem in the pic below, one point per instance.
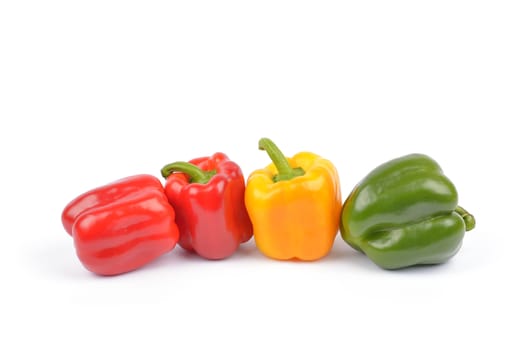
[(284, 169), (195, 173), (470, 221)]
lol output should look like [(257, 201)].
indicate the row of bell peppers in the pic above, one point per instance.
[(404, 213)]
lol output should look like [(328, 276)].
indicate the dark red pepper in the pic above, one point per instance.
[(121, 226), (208, 196)]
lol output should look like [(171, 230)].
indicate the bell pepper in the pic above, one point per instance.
[(207, 194), (405, 212), (121, 226), (294, 204)]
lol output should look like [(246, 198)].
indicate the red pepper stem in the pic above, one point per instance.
[(195, 173), (284, 169), (470, 221)]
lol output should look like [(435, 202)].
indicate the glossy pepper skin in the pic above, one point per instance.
[(121, 226), (294, 204), (208, 196), (405, 212)]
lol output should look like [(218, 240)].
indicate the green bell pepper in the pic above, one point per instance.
[(405, 212)]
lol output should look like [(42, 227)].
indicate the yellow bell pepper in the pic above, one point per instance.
[(294, 205)]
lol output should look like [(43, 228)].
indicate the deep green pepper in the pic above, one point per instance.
[(405, 212)]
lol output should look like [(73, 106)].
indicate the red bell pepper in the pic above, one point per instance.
[(208, 196), (121, 226)]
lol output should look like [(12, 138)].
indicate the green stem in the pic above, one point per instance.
[(284, 169), (195, 173), (470, 221)]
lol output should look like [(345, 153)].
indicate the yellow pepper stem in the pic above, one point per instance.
[(284, 169)]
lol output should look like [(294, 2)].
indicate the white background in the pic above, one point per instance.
[(97, 90)]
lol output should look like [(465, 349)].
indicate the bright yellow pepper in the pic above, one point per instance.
[(294, 205)]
